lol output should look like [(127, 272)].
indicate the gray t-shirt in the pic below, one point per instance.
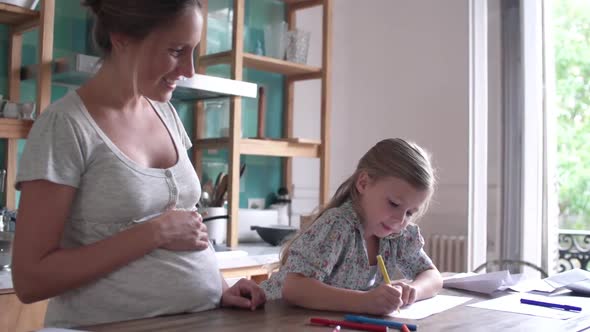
[(66, 146)]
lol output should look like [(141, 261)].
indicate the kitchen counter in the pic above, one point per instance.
[(247, 254), (5, 282), (252, 248)]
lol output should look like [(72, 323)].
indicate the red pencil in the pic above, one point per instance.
[(343, 323), (405, 328)]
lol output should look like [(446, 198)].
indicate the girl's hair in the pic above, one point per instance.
[(392, 157), (132, 18)]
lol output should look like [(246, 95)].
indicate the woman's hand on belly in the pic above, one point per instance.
[(182, 231)]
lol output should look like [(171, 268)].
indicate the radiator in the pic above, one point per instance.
[(448, 252)]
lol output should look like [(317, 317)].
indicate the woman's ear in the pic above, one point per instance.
[(362, 182), (119, 41)]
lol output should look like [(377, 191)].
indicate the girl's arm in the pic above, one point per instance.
[(427, 284), (314, 294)]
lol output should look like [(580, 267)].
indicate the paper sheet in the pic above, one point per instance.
[(428, 307), (486, 283), (529, 285), (568, 277), (511, 303), (576, 280)]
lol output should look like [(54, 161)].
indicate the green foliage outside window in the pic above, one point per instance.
[(571, 20)]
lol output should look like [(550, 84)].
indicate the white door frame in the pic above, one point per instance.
[(478, 134), (534, 183)]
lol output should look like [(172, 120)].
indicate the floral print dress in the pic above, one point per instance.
[(333, 251)]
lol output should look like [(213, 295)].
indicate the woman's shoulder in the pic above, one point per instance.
[(65, 109)]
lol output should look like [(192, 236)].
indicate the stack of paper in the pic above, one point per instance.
[(573, 280), (486, 283), (576, 280)]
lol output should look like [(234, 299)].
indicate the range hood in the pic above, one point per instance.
[(72, 71)]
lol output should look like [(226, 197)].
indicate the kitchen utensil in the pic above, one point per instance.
[(205, 200), (275, 234), (221, 188), (220, 191), (261, 112), (208, 188), (216, 186)]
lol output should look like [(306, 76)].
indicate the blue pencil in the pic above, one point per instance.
[(377, 321)]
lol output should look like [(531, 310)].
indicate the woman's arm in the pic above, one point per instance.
[(314, 294), (43, 269), (245, 294)]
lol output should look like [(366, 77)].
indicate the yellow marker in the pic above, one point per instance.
[(384, 273), (383, 269)]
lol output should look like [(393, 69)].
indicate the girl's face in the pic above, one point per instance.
[(166, 55), (387, 204)]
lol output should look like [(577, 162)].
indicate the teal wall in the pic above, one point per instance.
[(263, 174)]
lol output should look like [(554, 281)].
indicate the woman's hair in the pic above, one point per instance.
[(132, 18), (392, 157)]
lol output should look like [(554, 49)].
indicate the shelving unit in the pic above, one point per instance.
[(287, 147), (18, 17), (75, 69), (19, 21)]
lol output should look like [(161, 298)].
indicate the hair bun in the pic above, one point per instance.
[(94, 5)]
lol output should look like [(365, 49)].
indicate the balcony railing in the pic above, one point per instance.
[(574, 249)]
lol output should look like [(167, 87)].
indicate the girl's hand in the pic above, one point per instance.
[(409, 294), (182, 231), (244, 294), (383, 300)]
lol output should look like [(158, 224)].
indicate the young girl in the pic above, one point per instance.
[(332, 264)]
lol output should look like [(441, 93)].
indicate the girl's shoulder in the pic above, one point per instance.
[(410, 237), (342, 216)]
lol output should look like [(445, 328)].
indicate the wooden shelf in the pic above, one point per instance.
[(293, 147), (292, 72), (13, 128), (302, 4), (18, 16), (264, 63)]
